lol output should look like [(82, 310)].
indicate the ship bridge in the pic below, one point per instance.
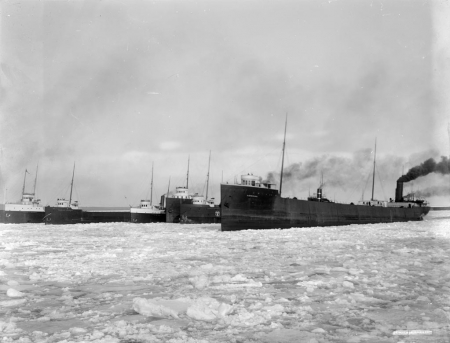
[(61, 202), (181, 193), (255, 181)]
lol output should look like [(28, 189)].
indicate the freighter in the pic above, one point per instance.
[(147, 212), (69, 212), (27, 210), (192, 209), (257, 205), (172, 204), (65, 211), (199, 211)]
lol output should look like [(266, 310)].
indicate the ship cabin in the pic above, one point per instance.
[(255, 181), (28, 199), (61, 202), (181, 193), (145, 204), (372, 203), (200, 200)]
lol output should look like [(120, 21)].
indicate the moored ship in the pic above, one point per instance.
[(27, 210), (69, 212), (173, 204), (198, 209), (147, 212), (65, 212)]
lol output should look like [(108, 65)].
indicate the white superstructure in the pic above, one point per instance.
[(27, 204), (61, 202), (146, 207)]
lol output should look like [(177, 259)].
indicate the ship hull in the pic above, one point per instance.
[(173, 209), (21, 217), (148, 217), (20, 214), (199, 214), (244, 207), (105, 216), (63, 215)]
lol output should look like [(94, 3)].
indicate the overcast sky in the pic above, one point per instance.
[(115, 86)]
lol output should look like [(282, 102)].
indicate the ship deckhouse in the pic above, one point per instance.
[(255, 181), (372, 203), (201, 200), (181, 193), (145, 204), (198, 199), (28, 199), (61, 202)]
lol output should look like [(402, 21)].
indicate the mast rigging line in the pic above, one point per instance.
[(381, 184)]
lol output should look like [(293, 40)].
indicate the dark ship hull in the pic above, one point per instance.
[(199, 214), (173, 209), (64, 215), (148, 217), (246, 207), (20, 217), (106, 216)]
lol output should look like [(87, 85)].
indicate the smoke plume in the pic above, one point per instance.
[(432, 191), (427, 167)]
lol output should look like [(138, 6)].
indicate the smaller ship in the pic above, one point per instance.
[(173, 203), (200, 210), (68, 212), (27, 210), (65, 211), (147, 212)]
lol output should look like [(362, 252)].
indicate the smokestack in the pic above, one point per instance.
[(399, 192), (319, 193)]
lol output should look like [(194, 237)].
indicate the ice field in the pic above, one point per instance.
[(175, 283)]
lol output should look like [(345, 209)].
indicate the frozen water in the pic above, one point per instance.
[(193, 283)]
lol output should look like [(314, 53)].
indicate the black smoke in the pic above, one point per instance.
[(427, 167), (340, 172)]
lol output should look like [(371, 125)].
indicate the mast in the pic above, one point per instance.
[(374, 157), (35, 180), (24, 178), (151, 188), (187, 176), (71, 185), (282, 160), (207, 176), (168, 187)]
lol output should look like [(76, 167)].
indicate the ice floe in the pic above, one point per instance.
[(195, 284)]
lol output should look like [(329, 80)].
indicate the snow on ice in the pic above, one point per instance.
[(175, 283)]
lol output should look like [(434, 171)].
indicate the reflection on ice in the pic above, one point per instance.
[(192, 283)]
